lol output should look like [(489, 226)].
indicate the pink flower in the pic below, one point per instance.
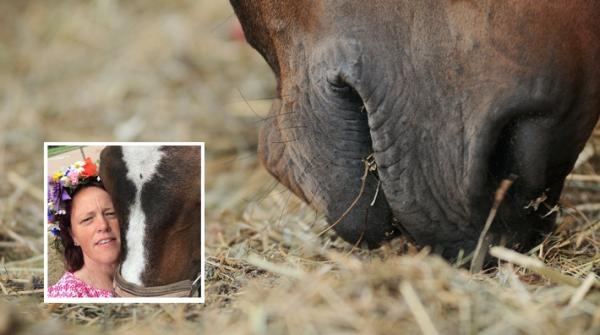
[(74, 176)]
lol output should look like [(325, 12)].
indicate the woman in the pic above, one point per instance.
[(88, 230)]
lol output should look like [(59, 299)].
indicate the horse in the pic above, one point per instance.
[(156, 192), (405, 117)]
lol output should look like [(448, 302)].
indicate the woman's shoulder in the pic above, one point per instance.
[(70, 286)]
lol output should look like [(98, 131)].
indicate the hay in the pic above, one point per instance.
[(110, 70)]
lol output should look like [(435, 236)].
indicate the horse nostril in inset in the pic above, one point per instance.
[(141, 176)]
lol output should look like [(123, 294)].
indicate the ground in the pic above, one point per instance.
[(174, 71)]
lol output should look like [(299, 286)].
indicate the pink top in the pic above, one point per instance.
[(70, 286)]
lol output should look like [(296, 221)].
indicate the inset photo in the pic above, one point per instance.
[(124, 222)]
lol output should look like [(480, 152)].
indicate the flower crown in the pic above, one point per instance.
[(61, 186)]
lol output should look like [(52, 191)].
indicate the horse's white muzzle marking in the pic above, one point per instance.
[(141, 163)]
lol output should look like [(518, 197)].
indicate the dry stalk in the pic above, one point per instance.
[(584, 178), (22, 240), (588, 207), (481, 250), (3, 288), (28, 292), (534, 265), (21, 182), (259, 262), (582, 290), (417, 309)]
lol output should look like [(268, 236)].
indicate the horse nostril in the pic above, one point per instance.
[(500, 162), (522, 149)]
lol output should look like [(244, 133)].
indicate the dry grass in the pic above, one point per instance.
[(108, 70)]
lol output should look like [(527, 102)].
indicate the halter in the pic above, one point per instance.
[(183, 288)]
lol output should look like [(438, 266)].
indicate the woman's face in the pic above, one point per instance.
[(94, 226)]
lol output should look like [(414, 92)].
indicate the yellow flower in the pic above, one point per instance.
[(56, 176)]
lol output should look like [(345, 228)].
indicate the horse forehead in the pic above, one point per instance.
[(142, 163)]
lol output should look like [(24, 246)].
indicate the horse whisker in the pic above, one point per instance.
[(285, 141)]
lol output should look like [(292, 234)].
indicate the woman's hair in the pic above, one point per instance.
[(72, 253)]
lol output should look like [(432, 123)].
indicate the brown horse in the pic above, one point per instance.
[(446, 98), (156, 193)]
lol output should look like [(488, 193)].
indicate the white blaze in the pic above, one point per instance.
[(141, 165)]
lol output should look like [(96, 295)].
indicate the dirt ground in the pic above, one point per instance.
[(172, 71)]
